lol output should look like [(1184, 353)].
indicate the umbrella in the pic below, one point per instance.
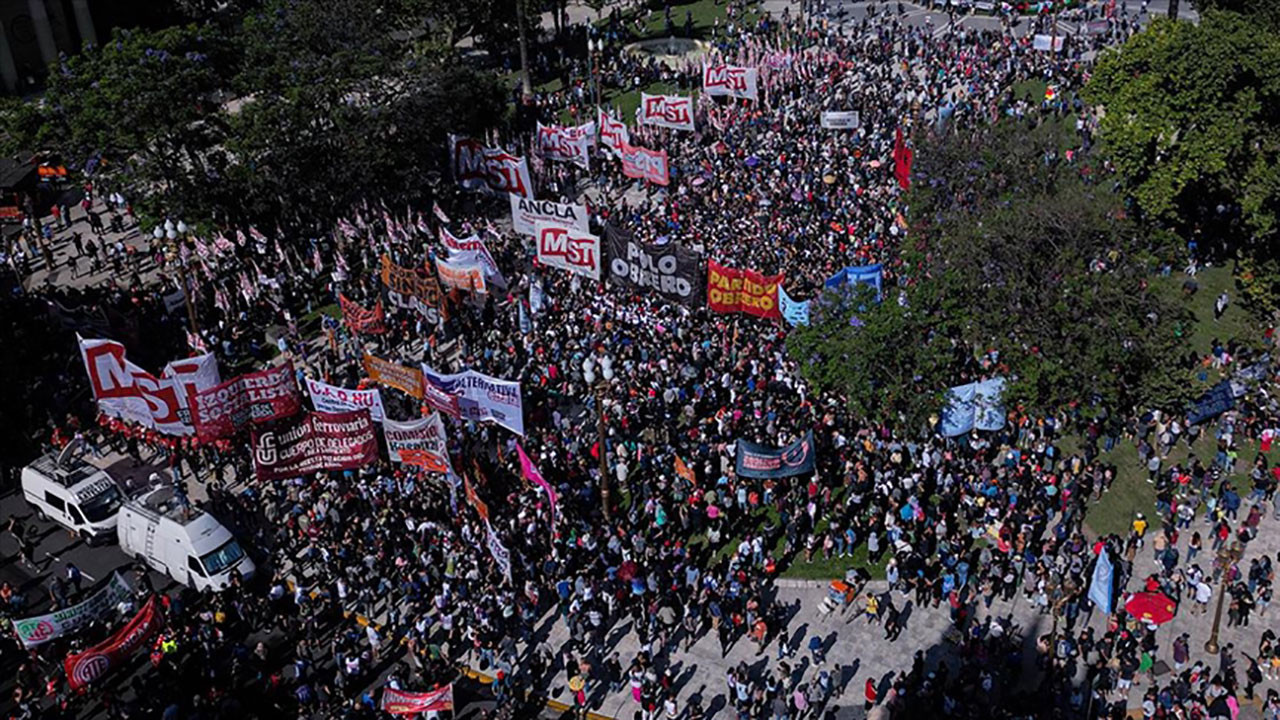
[(1150, 607)]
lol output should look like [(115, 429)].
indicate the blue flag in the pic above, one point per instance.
[(1103, 579), (794, 311)]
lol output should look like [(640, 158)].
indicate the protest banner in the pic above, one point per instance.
[(840, 119), (530, 473), (360, 320), (40, 629), (480, 397), (333, 399), (668, 111), (407, 380), (974, 406), (399, 702), (794, 312), (638, 162), (1048, 43), (872, 275), (258, 397), (126, 391), (903, 157), (470, 242), (731, 290), (760, 461), (315, 441), (412, 288), (553, 142), (426, 434), (473, 499), (480, 256), (468, 276), (685, 471), (83, 668), (499, 551), (730, 81), (476, 167), (669, 270), (577, 252), (527, 215), (613, 133)]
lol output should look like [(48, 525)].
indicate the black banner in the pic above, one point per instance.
[(760, 461), (672, 271)]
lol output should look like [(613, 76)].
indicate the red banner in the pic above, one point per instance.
[(85, 667), (902, 159), (366, 322), (224, 410), (732, 290), (319, 441), (638, 162), (399, 702)]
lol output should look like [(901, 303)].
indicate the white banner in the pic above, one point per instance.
[(730, 81), (569, 250), (564, 144), (499, 552), (425, 434), (463, 275), (477, 167), (840, 119), (669, 111), (1044, 42), (481, 397), (527, 215), (41, 629), (128, 392), (613, 134), (332, 399)]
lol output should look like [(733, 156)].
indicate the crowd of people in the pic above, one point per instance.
[(963, 524)]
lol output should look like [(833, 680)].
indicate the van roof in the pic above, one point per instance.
[(75, 475), (161, 502)]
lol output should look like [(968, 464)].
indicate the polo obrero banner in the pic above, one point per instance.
[(761, 461)]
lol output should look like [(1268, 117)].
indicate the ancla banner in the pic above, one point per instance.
[(360, 320), (479, 397), (669, 270), (256, 397), (527, 215), (840, 119), (577, 252), (128, 392), (730, 81), (334, 399), (731, 290), (41, 629), (317, 441), (477, 167), (760, 461), (613, 133), (637, 162), (85, 667), (407, 380), (399, 702), (426, 434), (563, 144), (668, 111)]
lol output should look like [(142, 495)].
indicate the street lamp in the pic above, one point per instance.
[(595, 46), (1226, 556), (601, 388), (173, 252)]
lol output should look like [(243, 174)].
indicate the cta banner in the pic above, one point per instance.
[(41, 629), (669, 270), (480, 397), (730, 81), (314, 442), (731, 290), (564, 144), (668, 111), (399, 702), (128, 392), (467, 276), (613, 133), (494, 170), (761, 461), (570, 250), (257, 397), (407, 380), (84, 668), (840, 119), (426, 434), (360, 320), (333, 399), (412, 288), (638, 162), (528, 215)]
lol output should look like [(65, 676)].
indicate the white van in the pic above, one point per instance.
[(188, 545), (74, 494)]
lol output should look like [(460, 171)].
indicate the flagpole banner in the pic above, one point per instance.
[(316, 441), (480, 397), (793, 311), (360, 320), (671, 271), (530, 472), (1101, 587), (426, 434), (641, 163), (974, 406), (126, 391), (841, 119), (668, 111), (407, 288), (476, 167), (528, 215), (333, 399), (482, 258), (1048, 43), (563, 144), (399, 702), (257, 397), (731, 290), (761, 461), (872, 275), (407, 380), (498, 551), (83, 668), (470, 242), (40, 629), (613, 133), (461, 275), (730, 81), (570, 250)]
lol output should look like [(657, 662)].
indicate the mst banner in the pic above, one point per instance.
[(41, 629), (527, 215), (480, 397), (731, 290), (638, 162), (407, 380), (613, 133), (494, 170), (566, 144), (334, 399), (399, 702), (668, 111), (577, 252), (316, 441), (730, 81), (425, 434), (85, 667), (259, 397), (669, 270), (409, 288), (761, 461), (128, 392)]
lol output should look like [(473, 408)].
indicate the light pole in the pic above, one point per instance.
[(1226, 556), (595, 47), (171, 232), (601, 386)]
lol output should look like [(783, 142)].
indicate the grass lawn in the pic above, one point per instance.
[(309, 324), (703, 13)]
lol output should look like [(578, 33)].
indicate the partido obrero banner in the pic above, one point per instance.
[(126, 391), (762, 461), (41, 629), (256, 397), (316, 441), (669, 270), (479, 397), (528, 215), (731, 290)]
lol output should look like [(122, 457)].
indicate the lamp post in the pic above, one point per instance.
[(1226, 556), (595, 46), (601, 386), (172, 232)]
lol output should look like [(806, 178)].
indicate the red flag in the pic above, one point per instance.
[(902, 158)]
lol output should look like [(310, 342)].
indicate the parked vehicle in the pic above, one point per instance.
[(75, 494), (186, 544)]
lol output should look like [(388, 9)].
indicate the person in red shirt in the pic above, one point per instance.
[(871, 695)]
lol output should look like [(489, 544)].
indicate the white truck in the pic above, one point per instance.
[(75, 494), (186, 544)]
